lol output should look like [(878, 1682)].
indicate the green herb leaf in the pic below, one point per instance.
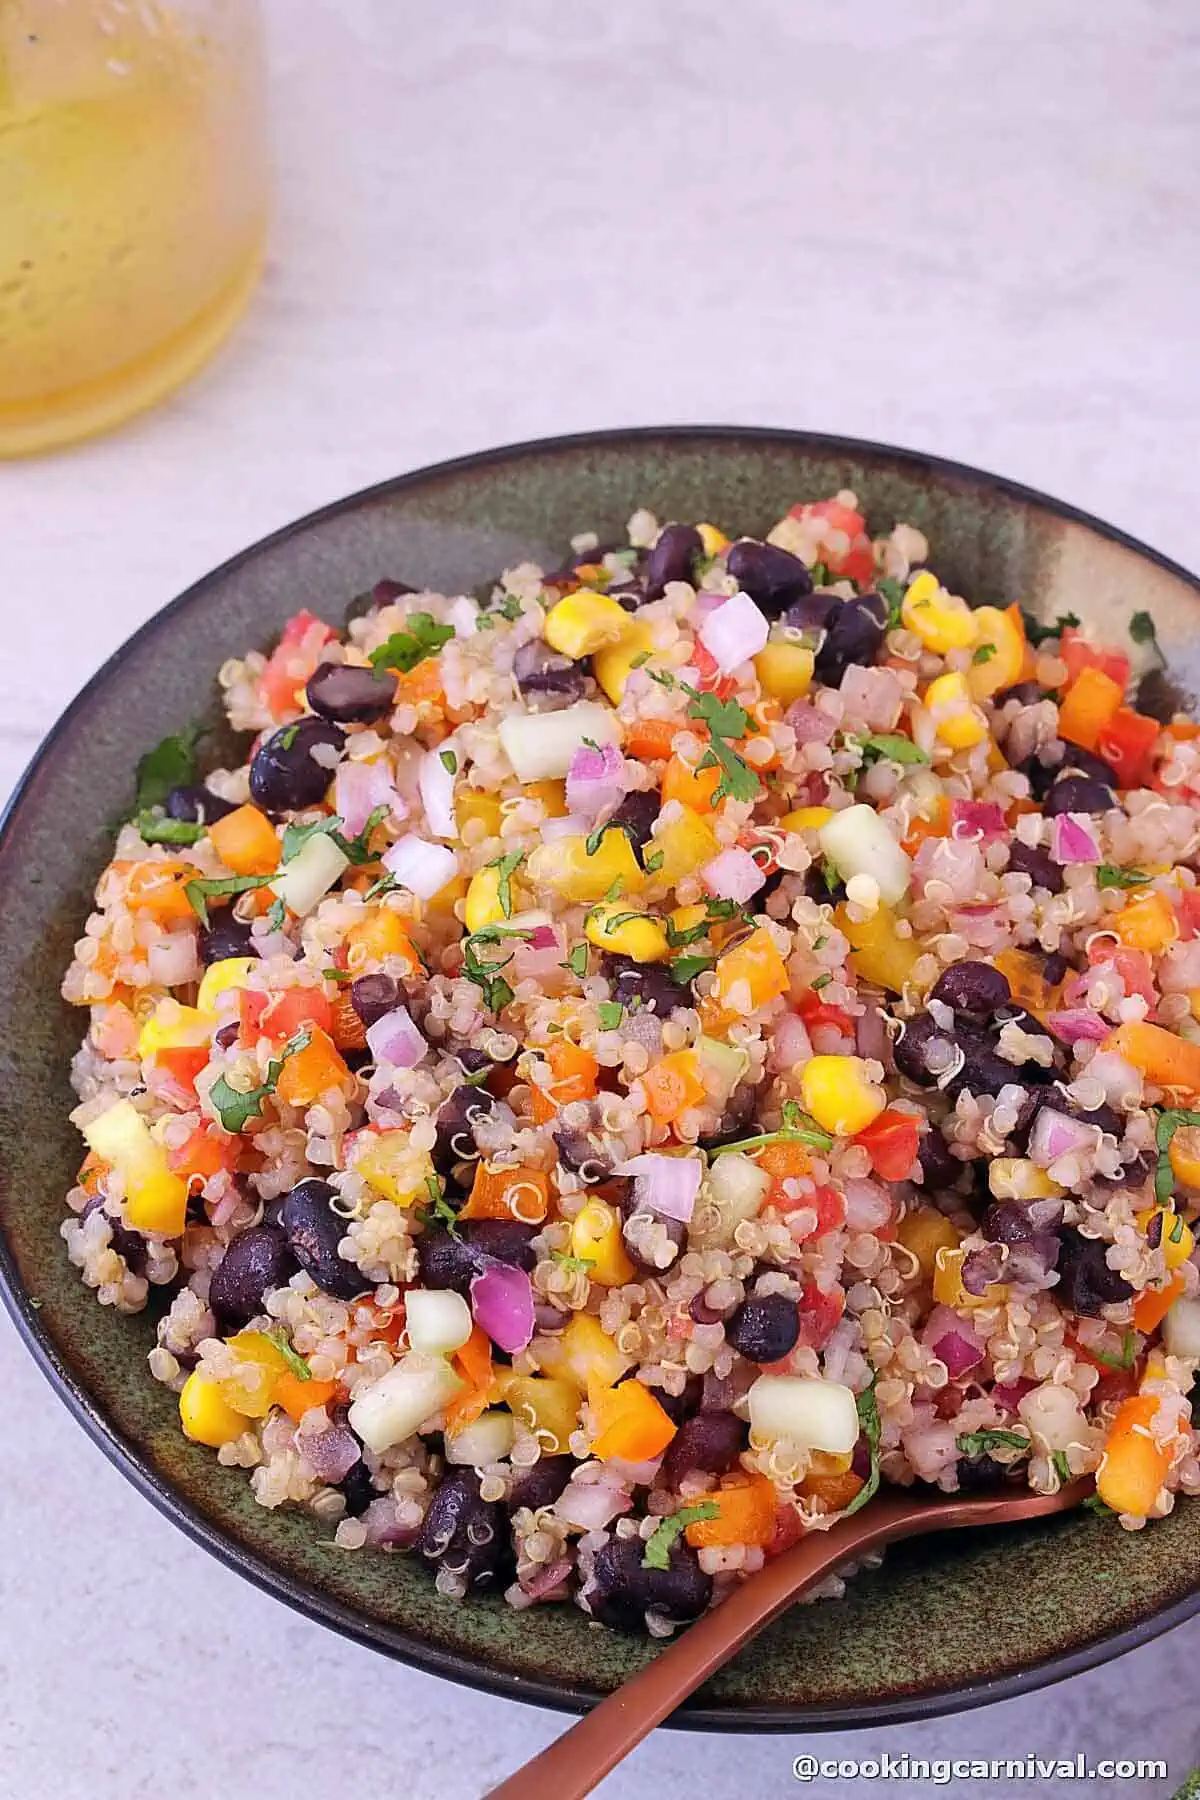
[(577, 960), (797, 1128), (594, 839), (1141, 628), (295, 837), (235, 1108), (510, 607), (405, 649), (686, 968), (820, 575), (868, 1418), (155, 829), (1128, 1351), (984, 653), (664, 678), (204, 889), (822, 981), (1094, 1504), (679, 939), (640, 660), (439, 1208), (574, 1265), (288, 736), (1166, 1125), (1037, 633), (292, 1358), (1062, 1466), (829, 874), (171, 764), (980, 1443), (820, 942), (654, 862), (387, 884), (506, 867), (893, 592), (497, 993), (338, 975), (724, 718), (277, 917), (1109, 877), (610, 1013), (890, 746), (657, 1554), (448, 761)]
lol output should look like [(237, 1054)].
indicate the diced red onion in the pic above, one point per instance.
[(539, 960), (733, 875), (463, 614), (383, 1525), (502, 1304), (664, 1184), (360, 787), (542, 1584), (543, 938), (1075, 1026), (423, 868), (811, 724), (734, 632), (570, 825), (1012, 1392), (981, 820), (1073, 842), (635, 1474), (436, 783), (958, 1353), (868, 1205), (871, 1037), (330, 1454), (395, 1039), (591, 1505), (791, 1046), (595, 780), (1055, 1134), (704, 605), (173, 960)]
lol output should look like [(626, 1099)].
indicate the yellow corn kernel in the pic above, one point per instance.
[(552, 793), (685, 844), (1002, 635), (471, 803), (784, 670), (206, 1415), (596, 1238), (948, 1289), (1184, 1155), (482, 906), (614, 927), (583, 1352), (547, 1405), (714, 541), (155, 1197), (1176, 1241), (261, 1362), (613, 665), (391, 1165), (224, 978), (925, 1232), (839, 1096), (806, 818), (941, 620), (173, 1027), (956, 720), (565, 866), (584, 622), (878, 953), (1016, 1178)]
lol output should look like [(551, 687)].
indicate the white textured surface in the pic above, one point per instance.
[(972, 230)]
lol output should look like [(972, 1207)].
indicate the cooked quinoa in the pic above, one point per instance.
[(623, 1068)]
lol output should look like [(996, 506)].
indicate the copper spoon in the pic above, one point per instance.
[(573, 1765)]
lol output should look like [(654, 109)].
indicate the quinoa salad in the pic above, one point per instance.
[(628, 1064)]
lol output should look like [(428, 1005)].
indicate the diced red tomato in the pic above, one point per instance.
[(183, 1064), (820, 1310), (710, 679), (815, 1011), (292, 662), (1133, 966), (857, 563), (205, 1154), (1127, 743), (280, 1016), (1075, 650), (825, 1201), (1189, 913), (788, 1530), (891, 1140)]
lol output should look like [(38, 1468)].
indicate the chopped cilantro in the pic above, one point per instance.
[(292, 1358), (338, 974), (657, 1554), (448, 761), (725, 720), (288, 735), (1037, 633), (171, 764), (1062, 1467), (1141, 628), (510, 607), (890, 746), (405, 649), (1109, 877), (820, 943), (663, 677), (685, 969), (868, 1418), (1128, 1351), (577, 960), (495, 990), (654, 862), (610, 1013), (205, 888), (277, 917), (354, 849), (1094, 1504), (387, 884), (820, 575), (797, 1128), (574, 1265), (439, 1207), (829, 874), (981, 1443), (506, 867), (156, 830), (234, 1108), (822, 981), (615, 890), (678, 939), (640, 660), (984, 653), (892, 591), (1166, 1126), (595, 839)]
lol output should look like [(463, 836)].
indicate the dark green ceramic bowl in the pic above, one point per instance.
[(944, 1625)]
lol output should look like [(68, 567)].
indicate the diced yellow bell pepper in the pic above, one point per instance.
[(685, 844), (713, 539), (1016, 1178), (548, 1405), (806, 818), (878, 953), (155, 1197), (837, 1093), (924, 1232), (613, 665), (613, 927), (251, 1392), (564, 866), (482, 906), (784, 670), (584, 622), (1000, 637), (173, 1027), (388, 1161), (581, 1353), (948, 1289), (1176, 1241), (552, 792), (473, 803), (225, 977), (596, 1238), (206, 1415), (942, 621), (956, 720)]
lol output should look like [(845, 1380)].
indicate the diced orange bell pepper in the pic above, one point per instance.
[(91, 1171), (1166, 1060), (1025, 974), (500, 1193), (422, 686), (160, 888), (297, 1396), (1134, 1466), (748, 976), (1146, 922), (936, 825), (284, 1014), (834, 1488), (651, 740), (245, 841), (183, 1063), (1153, 1304), (746, 1515), (784, 1161), (379, 933), (672, 1085), (311, 1072), (473, 1361), (541, 1107), (205, 1154), (693, 787), (1088, 707), (574, 1070), (630, 1423), (349, 1032)]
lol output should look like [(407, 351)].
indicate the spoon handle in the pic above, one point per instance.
[(572, 1765)]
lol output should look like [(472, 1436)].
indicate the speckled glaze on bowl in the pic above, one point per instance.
[(943, 1624)]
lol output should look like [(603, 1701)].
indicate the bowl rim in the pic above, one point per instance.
[(313, 1603)]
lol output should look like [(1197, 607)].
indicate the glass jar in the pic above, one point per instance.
[(133, 203)]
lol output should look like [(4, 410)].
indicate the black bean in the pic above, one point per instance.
[(765, 1327), (972, 986), (628, 594), (1086, 1283), (812, 612), (226, 1036), (650, 985), (712, 1441), (876, 605), (198, 805), (771, 576), (541, 673), (1078, 761), (285, 776), (465, 1534), (384, 592), (373, 997), (128, 1244), (939, 1168), (1008, 1222), (1027, 692), (817, 888), (623, 1589), (358, 1489), (502, 1240), (978, 1472), (922, 1039), (1135, 1174), (637, 815), (445, 1260), (854, 635), (1054, 968), (253, 1264), (577, 1152), (1159, 696), (226, 937), (313, 1231), (1039, 865), (679, 1407), (1078, 794), (542, 1484), (351, 693), (673, 558), (456, 1119)]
